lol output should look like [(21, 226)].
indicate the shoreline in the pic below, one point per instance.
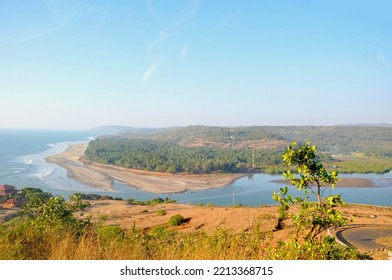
[(103, 176)]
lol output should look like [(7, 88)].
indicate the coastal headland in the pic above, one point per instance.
[(103, 176)]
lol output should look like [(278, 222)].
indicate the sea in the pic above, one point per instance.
[(23, 164)]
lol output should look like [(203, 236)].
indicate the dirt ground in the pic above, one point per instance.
[(121, 213), (198, 217), (126, 215), (235, 219)]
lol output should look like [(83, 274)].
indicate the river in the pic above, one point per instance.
[(22, 163)]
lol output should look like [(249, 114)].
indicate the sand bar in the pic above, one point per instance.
[(103, 176)]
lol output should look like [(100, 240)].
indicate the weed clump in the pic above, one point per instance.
[(176, 220), (161, 212)]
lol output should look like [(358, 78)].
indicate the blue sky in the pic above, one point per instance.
[(77, 64)]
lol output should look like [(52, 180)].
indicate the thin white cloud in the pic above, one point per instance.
[(33, 36), (66, 12), (381, 57), (150, 71), (167, 32), (230, 18), (184, 51), (152, 10), (163, 34), (177, 22)]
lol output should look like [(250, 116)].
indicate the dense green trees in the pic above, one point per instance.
[(202, 149), (159, 156), (330, 139)]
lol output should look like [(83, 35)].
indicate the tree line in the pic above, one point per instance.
[(159, 156), (204, 149)]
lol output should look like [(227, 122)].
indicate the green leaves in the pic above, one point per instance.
[(312, 218), (55, 212)]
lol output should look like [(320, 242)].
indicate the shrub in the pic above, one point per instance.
[(162, 233), (161, 212), (176, 220), (156, 201), (324, 249), (110, 233)]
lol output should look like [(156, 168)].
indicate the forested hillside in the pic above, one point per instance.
[(331, 139), (159, 156), (202, 149)]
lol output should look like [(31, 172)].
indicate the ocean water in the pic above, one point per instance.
[(23, 164)]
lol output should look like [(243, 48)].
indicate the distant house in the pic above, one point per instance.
[(7, 189)]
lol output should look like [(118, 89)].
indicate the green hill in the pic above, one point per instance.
[(204, 149)]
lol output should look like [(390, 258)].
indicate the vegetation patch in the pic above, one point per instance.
[(94, 196), (161, 212), (203, 150), (154, 201), (176, 220)]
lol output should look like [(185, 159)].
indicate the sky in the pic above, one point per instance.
[(79, 64)]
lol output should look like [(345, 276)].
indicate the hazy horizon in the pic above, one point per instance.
[(80, 64), (125, 127)]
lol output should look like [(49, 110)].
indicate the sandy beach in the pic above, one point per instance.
[(103, 176)]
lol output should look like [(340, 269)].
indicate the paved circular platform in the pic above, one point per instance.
[(364, 237)]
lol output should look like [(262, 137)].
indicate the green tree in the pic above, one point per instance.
[(312, 218), (312, 178)]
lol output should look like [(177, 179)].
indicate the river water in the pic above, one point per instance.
[(22, 163)]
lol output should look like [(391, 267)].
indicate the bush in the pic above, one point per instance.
[(111, 233), (161, 212), (42, 225), (156, 201), (324, 249), (162, 233), (31, 195), (176, 220)]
